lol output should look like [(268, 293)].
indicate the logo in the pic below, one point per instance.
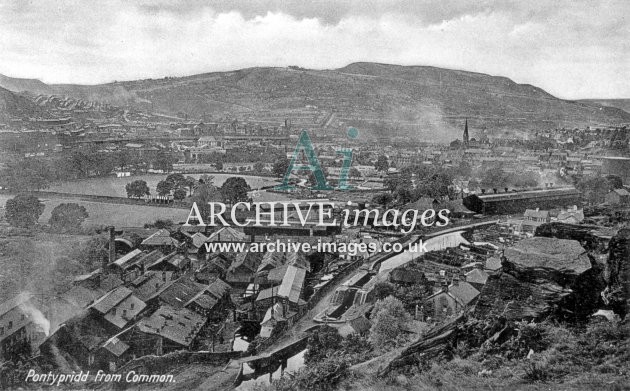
[(311, 163)]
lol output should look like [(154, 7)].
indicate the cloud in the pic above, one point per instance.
[(573, 49)]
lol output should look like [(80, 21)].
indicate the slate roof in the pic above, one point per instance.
[(115, 346), (175, 259), (530, 194), (464, 292), (148, 259), (218, 288), (226, 234), (298, 259), (150, 284), (277, 274), (126, 310), (128, 258), (477, 276), (360, 325), (267, 293), (178, 325), (80, 296), (203, 300), (271, 260), (292, 284), (88, 331), (109, 300), (181, 292), (493, 263), (536, 214), (160, 238), (198, 240), (247, 259), (220, 260)]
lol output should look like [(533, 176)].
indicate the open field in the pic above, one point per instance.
[(115, 187), (120, 215)]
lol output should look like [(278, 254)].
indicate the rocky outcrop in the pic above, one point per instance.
[(546, 259), (592, 237), (618, 272), (542, 276), (506, 296)]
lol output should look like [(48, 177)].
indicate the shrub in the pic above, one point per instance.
[(536, 371), (390, 323)]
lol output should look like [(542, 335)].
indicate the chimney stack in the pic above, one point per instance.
[(112, 249)]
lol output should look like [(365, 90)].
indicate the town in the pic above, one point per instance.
[(171, 287)]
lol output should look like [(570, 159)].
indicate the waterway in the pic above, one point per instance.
[(257, 379), (437, 243)]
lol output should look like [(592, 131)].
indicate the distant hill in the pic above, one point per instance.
[(623, 104), (426, 103), (15, 105), (19, 85)]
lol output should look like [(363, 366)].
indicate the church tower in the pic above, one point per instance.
[(466, 138)]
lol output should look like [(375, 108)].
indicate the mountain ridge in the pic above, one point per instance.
[(385, 99)]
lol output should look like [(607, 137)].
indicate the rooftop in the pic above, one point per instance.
[(178, 325)]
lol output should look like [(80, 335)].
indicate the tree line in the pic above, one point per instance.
[(33, 174)]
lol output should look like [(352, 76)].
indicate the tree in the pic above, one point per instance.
[(494, 178), (164, 188), (390, 321), (235, 190), (123, 159), (68, 216), (259, 167), (190, 184), (26, 175), (207, 179), (383, 199), (137, 189), (383, 289), (179, 194), (23, 210), (160, 223), (354, 173), (163, 161), (280, 167), (320, 343), (615, 181), (176, 180), (594, 188), (381, 163), (525, 179)]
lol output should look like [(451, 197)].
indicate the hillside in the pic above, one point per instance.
[(18, 85), (386, 100), (623, 104), (15, 105)]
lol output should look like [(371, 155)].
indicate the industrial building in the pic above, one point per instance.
[(519, 202)]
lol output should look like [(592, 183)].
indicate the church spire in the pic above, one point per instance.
[(466, 138)]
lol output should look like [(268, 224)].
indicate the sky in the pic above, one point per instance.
[(571, 48)]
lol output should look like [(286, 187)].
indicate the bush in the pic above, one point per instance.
[(536, 371), (321, 376), (321, 343), (390, 324)]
